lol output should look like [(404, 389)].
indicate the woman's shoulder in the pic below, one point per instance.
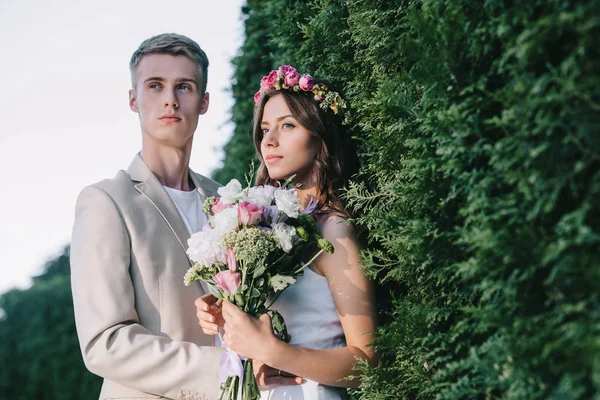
[(332, 225)]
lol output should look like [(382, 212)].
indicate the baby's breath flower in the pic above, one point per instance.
[(253, 245), (207, 206), (229, 240), (199, 273)]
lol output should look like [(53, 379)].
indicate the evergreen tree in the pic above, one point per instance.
[(39, 348), (479, 129)]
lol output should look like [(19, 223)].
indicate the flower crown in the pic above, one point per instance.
[(287, 78)]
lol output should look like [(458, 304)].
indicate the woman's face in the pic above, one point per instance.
[(287, 148)]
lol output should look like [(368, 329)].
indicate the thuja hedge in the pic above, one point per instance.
[(480, 144)]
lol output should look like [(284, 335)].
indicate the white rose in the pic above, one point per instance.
[(205, 248), (226, 220), (286, 235), (231, 192), (287, 202), (260, 196)]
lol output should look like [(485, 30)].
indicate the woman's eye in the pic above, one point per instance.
[(288, 126), (264, 131)]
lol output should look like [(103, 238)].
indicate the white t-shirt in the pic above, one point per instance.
[(189, 205)]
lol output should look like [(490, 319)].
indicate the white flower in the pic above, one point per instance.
[(280, 282), (286, 235), (231, 192), (205, 248), (226, 220), (288, 202), (261, 195)]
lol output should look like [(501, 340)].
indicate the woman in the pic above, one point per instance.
[(329, 312)]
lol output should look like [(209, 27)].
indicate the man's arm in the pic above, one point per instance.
[(113, 343)]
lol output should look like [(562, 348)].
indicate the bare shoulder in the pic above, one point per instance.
[(342, 235), (333, 226)]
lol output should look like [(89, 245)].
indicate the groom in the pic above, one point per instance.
[(136, 321)]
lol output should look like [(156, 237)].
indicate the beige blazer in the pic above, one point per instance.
[(135, 319)]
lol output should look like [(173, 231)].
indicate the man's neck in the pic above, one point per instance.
[(170, 165)]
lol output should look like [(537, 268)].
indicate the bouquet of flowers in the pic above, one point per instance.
[(254, 246)]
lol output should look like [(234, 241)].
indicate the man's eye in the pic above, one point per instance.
[(154, 86), (184, 87)]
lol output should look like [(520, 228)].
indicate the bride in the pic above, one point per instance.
[(329, 312)]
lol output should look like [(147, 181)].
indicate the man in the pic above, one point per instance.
[(136, 321)]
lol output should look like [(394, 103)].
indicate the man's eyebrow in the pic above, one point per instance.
[(178, 80), (154, 78)]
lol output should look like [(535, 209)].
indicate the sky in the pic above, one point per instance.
[(65, 121)]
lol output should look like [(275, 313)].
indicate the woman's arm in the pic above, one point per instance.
[(354, 299)]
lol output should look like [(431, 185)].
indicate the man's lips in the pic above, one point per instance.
[(170, 118)]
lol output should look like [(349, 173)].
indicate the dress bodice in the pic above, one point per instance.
[(312, 320)]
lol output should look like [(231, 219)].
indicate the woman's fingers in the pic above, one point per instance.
[(203, 302)]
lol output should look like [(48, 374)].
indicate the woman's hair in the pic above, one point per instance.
[(336, 160)]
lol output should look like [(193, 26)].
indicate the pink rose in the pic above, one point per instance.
[(271, 79), (249, 213), (257, 97), (219, 206), (265, 85), (291, 78), (306, 82), (231, 259), (290, 75), (228, 280)]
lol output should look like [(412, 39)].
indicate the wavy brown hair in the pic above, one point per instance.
[(336, 160)]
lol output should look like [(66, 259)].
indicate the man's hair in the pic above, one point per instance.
[(172, 44)]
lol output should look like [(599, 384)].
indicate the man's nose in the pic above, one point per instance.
[(171, 99)]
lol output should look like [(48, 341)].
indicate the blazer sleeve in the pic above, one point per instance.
[(113, 343)]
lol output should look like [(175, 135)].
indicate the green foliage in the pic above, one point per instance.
[(38, 342), (479, 126), (252, 61)]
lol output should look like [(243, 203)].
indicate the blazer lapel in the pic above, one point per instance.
[(150, 187)]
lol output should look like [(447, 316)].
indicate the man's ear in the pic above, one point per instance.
[(204, 104), (133, 101)]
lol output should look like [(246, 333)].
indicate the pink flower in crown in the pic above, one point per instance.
[(306, 82), (270, 81), (257, 97), (265, 84), (219, 206), (290, 76), (231, 259), (249, 213), (228, 280)]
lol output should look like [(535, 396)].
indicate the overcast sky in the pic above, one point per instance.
[(64, 115)]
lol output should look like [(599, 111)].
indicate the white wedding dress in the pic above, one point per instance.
[(312, 321)]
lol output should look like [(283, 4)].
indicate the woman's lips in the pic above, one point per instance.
[(272, 158)]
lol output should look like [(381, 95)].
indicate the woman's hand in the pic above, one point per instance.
[(209, 314), (268, 377), (249, 337)]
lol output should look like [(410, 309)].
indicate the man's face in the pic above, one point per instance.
[(167, 96)]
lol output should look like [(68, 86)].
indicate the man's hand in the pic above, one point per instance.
[(209, 314), (268, 377)]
